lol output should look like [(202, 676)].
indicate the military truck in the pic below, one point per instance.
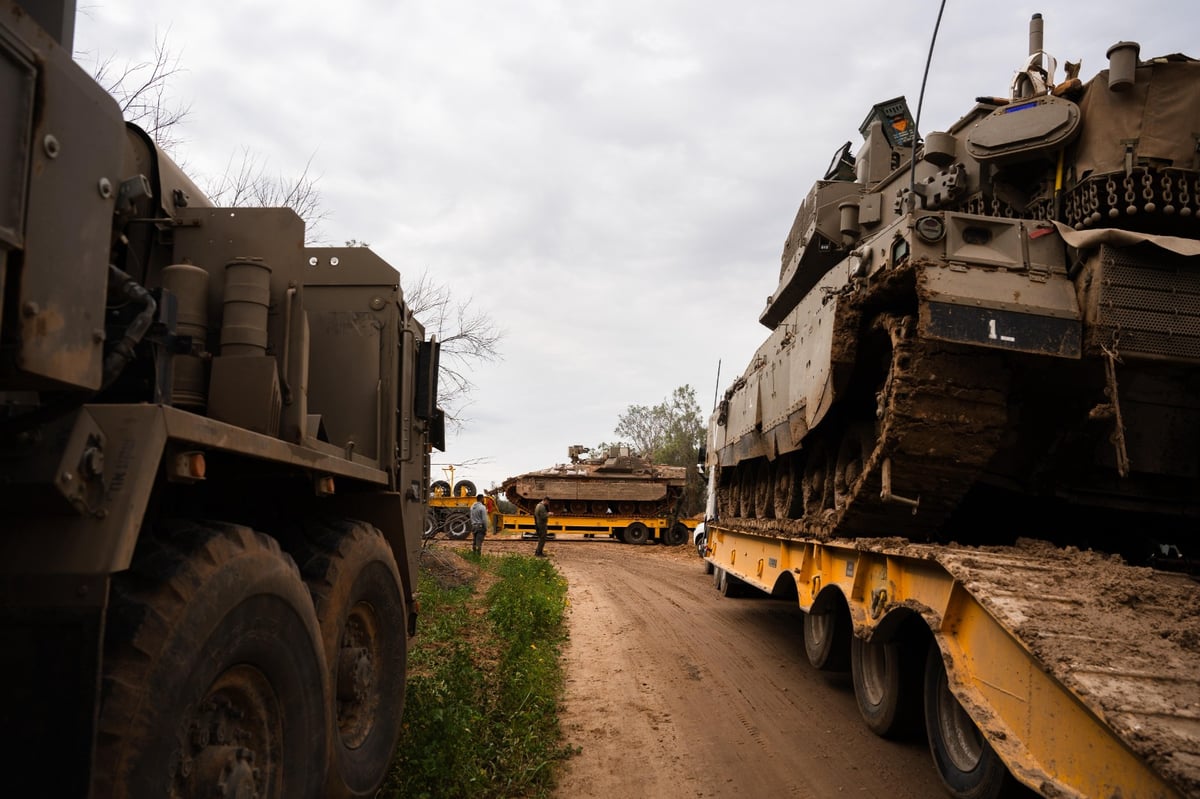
[(968, 448), (214, 447)]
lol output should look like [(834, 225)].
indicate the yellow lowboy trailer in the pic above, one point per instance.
[(627, 529), (1078, 673)]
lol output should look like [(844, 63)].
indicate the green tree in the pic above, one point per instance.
[(669, 433)]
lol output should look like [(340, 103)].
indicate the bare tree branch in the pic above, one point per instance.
[(468, 336), (140, 89)]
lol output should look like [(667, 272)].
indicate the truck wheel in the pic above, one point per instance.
[(439, 488), (827, 635), (675, 535), (966, 762), (456, 525), (887, 686), (730, 586), (359, 601), (637, 533), (214, 683)]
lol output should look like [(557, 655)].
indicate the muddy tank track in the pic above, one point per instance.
[(941, 412)]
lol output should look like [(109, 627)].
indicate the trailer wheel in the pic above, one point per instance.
[(730, 586), (439, 488), (675, 535), (456, 525), (359, 602), (887, 686), (464, 488), (966, 762), (432, 524), (637, 533), (827, 633), (214, 683)]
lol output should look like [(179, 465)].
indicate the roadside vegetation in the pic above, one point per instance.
[(485, 680)]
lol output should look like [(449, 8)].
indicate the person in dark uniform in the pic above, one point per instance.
[(478, 524), (541, 515)]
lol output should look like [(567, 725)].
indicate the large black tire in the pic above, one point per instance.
[(730, 586), (675, 535), (887, 686), (214, 682), (966, 762), (456, 525), (637, 533), (432, 524), (439, 488), (359, 601), (464, 488), (827, 637)]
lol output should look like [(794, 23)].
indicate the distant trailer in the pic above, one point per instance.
[(626, 529)]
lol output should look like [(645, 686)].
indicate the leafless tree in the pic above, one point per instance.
[(247, 184), (140, 89), (468, 336)]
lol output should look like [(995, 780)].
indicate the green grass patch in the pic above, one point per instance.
[(485, 682)]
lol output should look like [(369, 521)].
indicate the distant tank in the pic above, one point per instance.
[(616, 482), (1010, 308)]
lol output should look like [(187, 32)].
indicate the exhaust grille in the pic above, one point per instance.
[(1150, 301)]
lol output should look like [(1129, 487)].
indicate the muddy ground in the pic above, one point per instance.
[(675, 691)]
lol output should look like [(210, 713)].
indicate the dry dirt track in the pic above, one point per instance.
[(675, 691)]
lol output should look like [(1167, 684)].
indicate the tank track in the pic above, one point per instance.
[(940, 416), (944, 411)]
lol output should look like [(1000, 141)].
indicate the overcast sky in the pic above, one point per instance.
[(611, 180)]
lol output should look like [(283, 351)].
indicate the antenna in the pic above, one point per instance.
[(717, 387), (912, 159)]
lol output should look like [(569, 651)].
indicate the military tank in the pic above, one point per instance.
[(1008, 308), (615, 482)]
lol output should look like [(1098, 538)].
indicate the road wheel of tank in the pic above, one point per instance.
[(637, 533), (855, 449), (887, 686), (733, 507), (214, 682), (456, 525), (675, 535), (827, 635), (816, 484), (577, 506), (764, 489), (432, 524), (966, 762), (786, 494), (439, 488), (746, 478), (626, 508), (356, 590), (464, 488)]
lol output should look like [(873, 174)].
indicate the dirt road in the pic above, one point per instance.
[(675, 691)]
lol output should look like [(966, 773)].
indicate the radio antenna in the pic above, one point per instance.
[(912, 159)]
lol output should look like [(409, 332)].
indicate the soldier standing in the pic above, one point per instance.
[(478, 524), (541, 515)]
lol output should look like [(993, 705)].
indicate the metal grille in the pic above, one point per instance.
[(1150, 300)]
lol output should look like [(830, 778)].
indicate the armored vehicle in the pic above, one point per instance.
[(975, 423), (615, 482), (1010, 307), (214, 447)]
